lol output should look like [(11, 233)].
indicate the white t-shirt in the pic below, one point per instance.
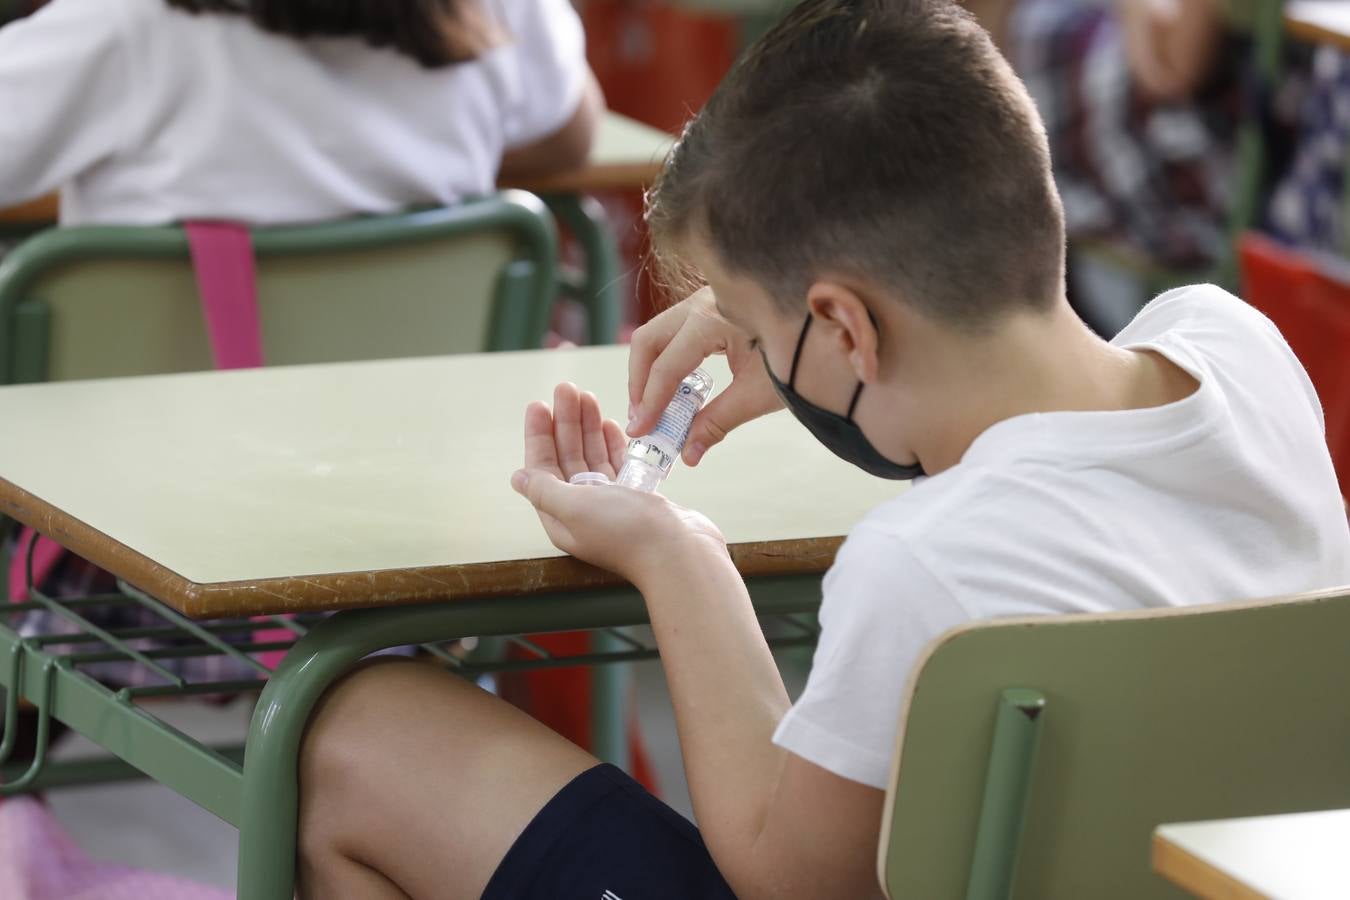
[(144, 114), (1228, 494)]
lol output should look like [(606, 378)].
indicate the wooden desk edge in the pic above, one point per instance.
[(1195, 875), (349, 590), (40, 211), (1311, 32), (615, 177)]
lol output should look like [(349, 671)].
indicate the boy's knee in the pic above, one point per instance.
[(355, 709)]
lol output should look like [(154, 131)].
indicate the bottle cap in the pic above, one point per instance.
[(589, 478)]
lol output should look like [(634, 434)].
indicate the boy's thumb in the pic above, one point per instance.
[(544, 490), (729, 409)]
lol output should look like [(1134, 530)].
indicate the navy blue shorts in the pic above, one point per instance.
[(603, 837)]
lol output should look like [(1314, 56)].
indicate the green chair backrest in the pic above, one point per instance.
[(93, 302), (1149, 717)]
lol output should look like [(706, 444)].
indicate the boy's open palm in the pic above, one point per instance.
[(628, 532)]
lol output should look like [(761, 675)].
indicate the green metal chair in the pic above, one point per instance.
[(99, 302), (1038, 755)]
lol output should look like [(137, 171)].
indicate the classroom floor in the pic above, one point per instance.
[(148, 826)]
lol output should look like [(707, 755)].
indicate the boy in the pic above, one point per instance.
[(868, 199)]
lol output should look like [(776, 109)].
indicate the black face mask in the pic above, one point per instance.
[(839, 433)]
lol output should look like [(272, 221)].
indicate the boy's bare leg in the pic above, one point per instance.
[(415, 783)]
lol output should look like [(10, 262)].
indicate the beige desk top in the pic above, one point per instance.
[(627, 155), (1319, 21), (1294, 857), (322, 487)]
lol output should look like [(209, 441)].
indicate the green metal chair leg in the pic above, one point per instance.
[(598, 291), (8, 527), (610, 686)]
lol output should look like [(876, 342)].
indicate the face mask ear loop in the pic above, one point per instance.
[(853, 404), (797, 354)]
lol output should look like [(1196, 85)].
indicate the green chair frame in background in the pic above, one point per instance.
[(598, 283), (106, 301), (1038, 755)]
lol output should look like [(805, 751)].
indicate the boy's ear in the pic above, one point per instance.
[(840, 313)]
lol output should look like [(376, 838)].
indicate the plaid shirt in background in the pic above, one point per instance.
[(1156, 177), (1306, 207)]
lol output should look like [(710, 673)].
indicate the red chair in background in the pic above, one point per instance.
[(1308, 299), (659, 64)]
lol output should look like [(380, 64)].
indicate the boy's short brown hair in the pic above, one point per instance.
[(881, 139)]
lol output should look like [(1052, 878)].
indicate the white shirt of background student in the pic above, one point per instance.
[(140, 113)]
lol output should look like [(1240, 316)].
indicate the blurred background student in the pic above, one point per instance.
[(280, 111), (1307, 206), (1141, 104)]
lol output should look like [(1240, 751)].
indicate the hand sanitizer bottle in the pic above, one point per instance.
[(648, 459)]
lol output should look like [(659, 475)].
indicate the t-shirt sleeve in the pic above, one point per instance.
[(881, 608), (65, 83), (550, 53)]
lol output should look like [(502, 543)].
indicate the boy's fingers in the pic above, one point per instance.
[(567, 429), (592, 434), (735, 406), (647, 344), (540, 451), (685, 353), (617, 443)]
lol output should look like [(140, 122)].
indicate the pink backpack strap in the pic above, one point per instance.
[(222, 258), (227, 282), (46, 555)]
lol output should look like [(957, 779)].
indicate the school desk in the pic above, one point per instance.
[(627, 154), (1319, 22), (384, 485), (1291, 857)]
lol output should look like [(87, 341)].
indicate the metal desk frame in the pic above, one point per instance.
[(255, 787)]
